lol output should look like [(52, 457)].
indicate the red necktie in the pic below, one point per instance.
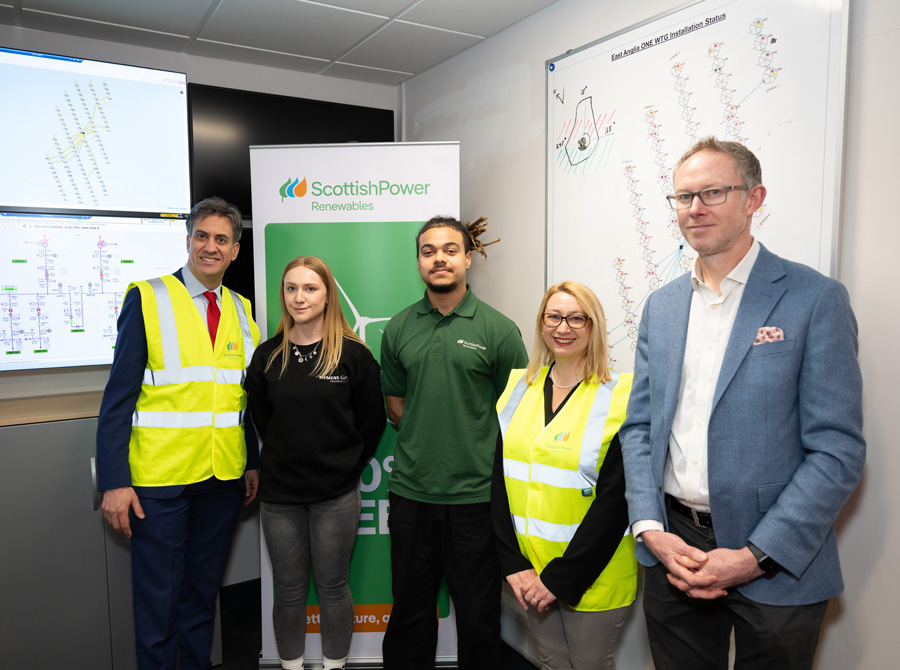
[(212, 315)]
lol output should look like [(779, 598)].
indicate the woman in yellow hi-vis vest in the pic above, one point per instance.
[(558, 493)]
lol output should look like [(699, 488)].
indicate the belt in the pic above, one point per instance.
[(700, 519)]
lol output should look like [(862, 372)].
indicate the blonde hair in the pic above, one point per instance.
[(595, 365), (336, 326)]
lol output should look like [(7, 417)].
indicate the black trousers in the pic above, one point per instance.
[(692, 634), (429, 542)]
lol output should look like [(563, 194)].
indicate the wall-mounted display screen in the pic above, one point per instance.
[(91, 137), (64, 277)]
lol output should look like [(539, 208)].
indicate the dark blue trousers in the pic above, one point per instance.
[(178, 554)]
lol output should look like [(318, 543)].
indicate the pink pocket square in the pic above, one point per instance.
[(768, 334)]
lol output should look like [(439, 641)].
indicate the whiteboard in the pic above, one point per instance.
[(622, 110)]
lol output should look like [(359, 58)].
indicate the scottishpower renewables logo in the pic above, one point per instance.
[(345, 196), (292, 188)]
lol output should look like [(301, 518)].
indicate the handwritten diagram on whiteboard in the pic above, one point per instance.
[(622, 111)]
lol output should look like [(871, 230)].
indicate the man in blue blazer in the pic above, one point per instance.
[(744, 434)]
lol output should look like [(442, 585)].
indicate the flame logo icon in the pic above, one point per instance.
[(292, 188), (232, 346), (562, 437)]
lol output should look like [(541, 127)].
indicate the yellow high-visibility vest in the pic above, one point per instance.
[(551, 475), (188, 423)]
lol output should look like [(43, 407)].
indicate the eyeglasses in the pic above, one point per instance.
[(708, 196), (575, 321)]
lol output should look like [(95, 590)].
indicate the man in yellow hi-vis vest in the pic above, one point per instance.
[(173, 458)]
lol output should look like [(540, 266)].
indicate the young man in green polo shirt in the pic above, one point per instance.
[(445, 361)]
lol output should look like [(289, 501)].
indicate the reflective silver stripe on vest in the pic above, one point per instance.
[(197, 373), (505, 417), (229, 419), (593, 431), (520, 524), (187, 419), (172, 419), (554, 532), (230, 376), (515, 469), (560, 477), (245, 327), (168, 330)]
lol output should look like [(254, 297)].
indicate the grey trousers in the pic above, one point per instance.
[(573, 640), (319, 536)]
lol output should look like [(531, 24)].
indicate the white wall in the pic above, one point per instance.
[(492, 99)]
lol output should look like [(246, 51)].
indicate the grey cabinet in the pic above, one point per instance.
[(65, 576), (53, 570)]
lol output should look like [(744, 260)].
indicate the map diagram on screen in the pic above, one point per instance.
[(79, 155), (92, 137)]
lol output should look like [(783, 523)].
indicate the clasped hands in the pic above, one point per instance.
[(530, 590), (699, 574)]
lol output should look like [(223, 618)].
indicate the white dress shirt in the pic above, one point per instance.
[(709, 328), (196, 290)]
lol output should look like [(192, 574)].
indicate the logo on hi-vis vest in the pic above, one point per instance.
[(232, 346), (292, 188), (562, 437)]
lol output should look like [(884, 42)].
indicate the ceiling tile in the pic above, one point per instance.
[(422, 48), (171, 16), (381, 7), (256, 56), (289, 26), (102, 31), (476, 17), (367, 74)]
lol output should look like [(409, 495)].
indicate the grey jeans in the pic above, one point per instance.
[(321, 536)]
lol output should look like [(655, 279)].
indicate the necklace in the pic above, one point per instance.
[(560, 386), (305, 357)]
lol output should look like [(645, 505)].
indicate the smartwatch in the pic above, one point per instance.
[(763, 560)]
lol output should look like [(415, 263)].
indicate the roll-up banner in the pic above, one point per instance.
[(358, 207)]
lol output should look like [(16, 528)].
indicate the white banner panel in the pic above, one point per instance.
[(358, 207)]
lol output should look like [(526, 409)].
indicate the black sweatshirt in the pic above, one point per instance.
[(318, 433)]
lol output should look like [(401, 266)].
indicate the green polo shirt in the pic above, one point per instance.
[(451, 370)]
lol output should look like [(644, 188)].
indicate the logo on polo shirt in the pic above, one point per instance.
[(471, 345)]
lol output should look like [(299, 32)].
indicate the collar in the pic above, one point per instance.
[(739, 275), (465, 307), (193, 285)]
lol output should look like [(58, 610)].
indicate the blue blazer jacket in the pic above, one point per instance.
[(785, 434)]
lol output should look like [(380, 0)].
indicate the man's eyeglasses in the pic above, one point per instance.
[(575, 321), (708, 196)]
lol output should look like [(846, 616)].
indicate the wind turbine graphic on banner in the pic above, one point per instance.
[(361, 321)]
